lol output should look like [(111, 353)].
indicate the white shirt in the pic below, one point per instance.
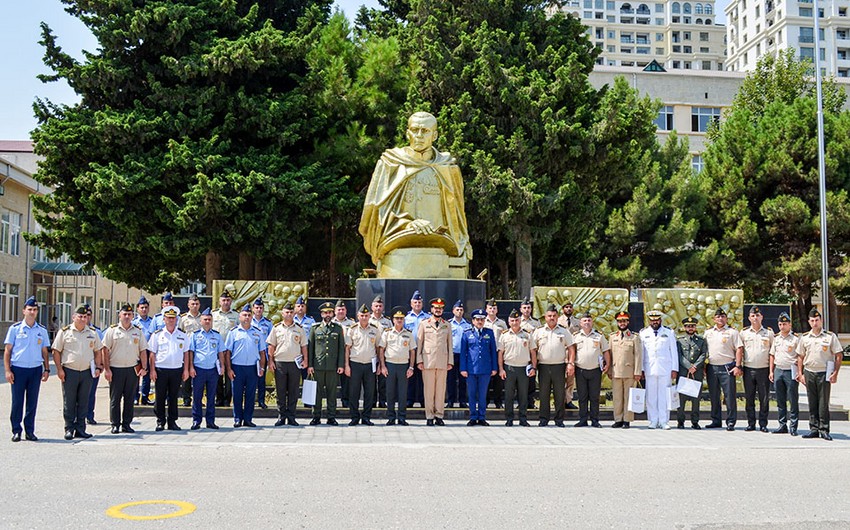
[(660, 355), (169, 348)]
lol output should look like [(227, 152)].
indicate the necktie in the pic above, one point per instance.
[(656, 332)]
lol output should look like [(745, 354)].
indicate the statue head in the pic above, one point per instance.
[(421, 131)]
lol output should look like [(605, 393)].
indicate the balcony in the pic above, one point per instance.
[(642, 51), (643, 12), (627, 11), (627, 40)]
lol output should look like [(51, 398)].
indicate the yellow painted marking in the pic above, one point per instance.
[(117, 511)]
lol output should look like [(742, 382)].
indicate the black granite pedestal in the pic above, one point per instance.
[(397, 292)]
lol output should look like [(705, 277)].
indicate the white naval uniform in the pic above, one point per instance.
[(660, 358)]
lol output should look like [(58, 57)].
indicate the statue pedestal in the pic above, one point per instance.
[(397, 292), (432, 263)]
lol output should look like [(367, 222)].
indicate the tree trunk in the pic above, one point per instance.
[(505, 273), (260, 270), (523, 262), (212, 268), (833, 314), (332, 264), (246, 266)]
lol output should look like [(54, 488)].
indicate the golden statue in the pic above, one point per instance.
[(413, 223)]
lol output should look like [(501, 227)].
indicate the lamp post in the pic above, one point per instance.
[(821, 174)]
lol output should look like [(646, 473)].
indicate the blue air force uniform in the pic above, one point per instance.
[(246, 346), (205, 347), (28, 363), (478, 358)]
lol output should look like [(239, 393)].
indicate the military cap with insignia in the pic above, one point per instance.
[(225, 294), (654, 314), (459, 304), (551, 307), (437, 302), (31, 302), (783, 317), (206, 312), (586, 314), (398, 312), (246, 308), (526, 301), (416, 296), (327, 306), (259, 301), (143, 301), (378, 299), (479, 313), (169, 312), (514, 313), (622, 315), (126, 307), (88, 309), (755, 310), (168, 297), (339, 303), (567, 303), (300, 300), (814, 313), (80, 310), (491, 302), (689, 321), (720, 312), (364, 310), (288, 305)]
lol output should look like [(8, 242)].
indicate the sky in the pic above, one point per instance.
[(22, 57)]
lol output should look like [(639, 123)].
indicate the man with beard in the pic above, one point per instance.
[(326, 360), (626, 368), (693, 351), (434, 358), (554, 347), (660, 364)]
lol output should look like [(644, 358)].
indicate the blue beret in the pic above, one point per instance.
[(459, 304), (143, 300), (479, 313), (206, 312), (247, 308), (300, 300), (416, 296), (168, 296), (258, 301), (783, 317), (31, 302)]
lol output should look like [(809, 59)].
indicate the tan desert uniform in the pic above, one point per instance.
[(757, 346), (784, 350), (364, 342), (224, 322), (190, 324), (551, 344), (588, 349), (722, 345), (434, 351), (77, 347), (816, 350), (346, 323), (288, 341), (529, 325), (124, 345), (515, 347), (572, 323), (498, 326), (397, 346), (381, 323), (626, 363)]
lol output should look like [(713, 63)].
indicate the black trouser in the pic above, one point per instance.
[(787, 389), (397, 390), (552, 378), (415, 388), (186, 391), (719, 379), (455, 384), (362, 378), (287, 378), (344, 389), (680, 413), (167, 389), (122, 387), (817, 389), (497, 390), (75, 398), (516, 386), (588, 386), (380, 395), (756, 381), (224, 392)]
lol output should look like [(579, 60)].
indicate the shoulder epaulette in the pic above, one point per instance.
[(745, 329), (66, 328), (297, 324), (373, 325), (138, 327), (770, 329)]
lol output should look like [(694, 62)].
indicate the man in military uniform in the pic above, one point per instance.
[(434, 357), (159, 318), (93, 390), (124, 360), (145, 322), (554, 348), (224, 319), (169, 366), (784, 367), (593, 358), (626, 368), (302, 318), (287, 345), (660, 366), (397, 360), (478, 361), (514, 360), (570, 322), (326, 352), (528, 324), (78, 356), (725, 363), (411, 323), (265, 326), (456, 384), (383, 323), (206, 360), (190, 322), (245, 359), (493, 322), (693, 352), (758, 341), (821, 353), (362, 343), (341, 318), (27, 366)]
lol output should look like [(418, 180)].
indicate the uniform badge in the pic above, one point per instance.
[(524, 343), (372, 340), (405, 343), (135, 340), (91, 345), (180, 345), (39, 342), (297, 338)]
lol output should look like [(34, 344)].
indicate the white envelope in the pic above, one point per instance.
[(528, 369), (830, 369), (637, 400), (794, 371), (299, 361), (259, 369), (218, 366), (601, 362), (93, 368), (374, 364)]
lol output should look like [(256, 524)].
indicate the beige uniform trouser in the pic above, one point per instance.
[(434, 381), (621, 386)]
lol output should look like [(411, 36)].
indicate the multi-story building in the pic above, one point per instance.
[(25, 270), (755, 28), (679, 35)]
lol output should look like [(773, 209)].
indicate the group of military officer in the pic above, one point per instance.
[(394, 350)]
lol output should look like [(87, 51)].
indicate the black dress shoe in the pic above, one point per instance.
[(332, 421), (429, 423), (187, 403), (30, 437), (354, 422), (160, 427), (825, 435), (508, 423), (195, 426), (730, 428), (212, 426), (127, 429), (483, 423), (390, 422), (82, 434), (695, 426), (249, 424), (582, 423), (69, 435), (472, 423), (498, 405), (16, 437), (559, 423), (626, 425), (617, 425), (237, 424), (781, 430), (382, 405), (315, 421), (280, 422), (680, 425), (524, 423), (750, 428), (293, 422), (403, 422), (262, 406), (115, 429), (439, 421), (595, 424), (146, 401), (91, 421), (763, 429), (543, 423), (366, 422), (572, 406), (463, 404), (811, 434), (174, 427), (793, 432), (713, 426)]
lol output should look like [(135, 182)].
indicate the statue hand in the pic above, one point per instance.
[(421, 226)]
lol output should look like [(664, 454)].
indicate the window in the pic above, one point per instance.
[(611, 34), (806, 12), (687, 49), (598, 4), (587, 14), (706, 65), (659, 37), (676, 8), (686, 35), (609, 6), (701, 117), (10, 232), (703, 49), (659, 51), (758, 11), (664, 121), (807, 53), (659, 8), (104, 313), (708, 9), (696, 163), (698, 9), (703, 36), (676, 65), (686, 8), (588, 4), (64, 302), (612, 48), (659, 21), (687, 65), (9, 301)]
